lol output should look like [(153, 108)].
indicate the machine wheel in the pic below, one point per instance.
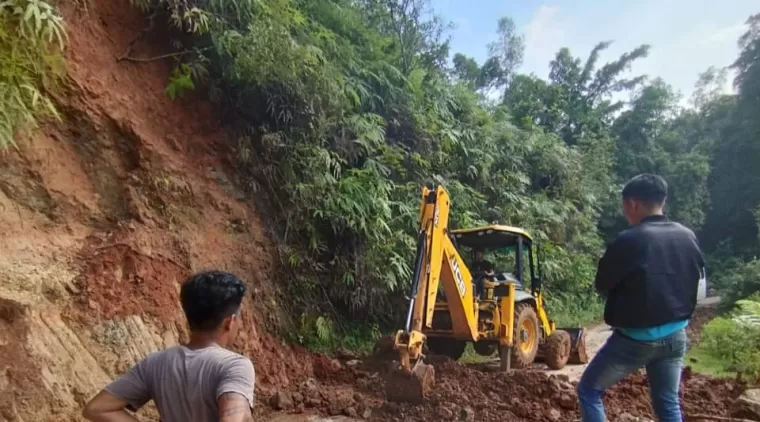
[(525, 336), (557, 349), (446, 347)]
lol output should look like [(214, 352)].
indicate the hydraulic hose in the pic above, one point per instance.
[(421, 250)]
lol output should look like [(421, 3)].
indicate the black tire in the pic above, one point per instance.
[(526, 336), (557, 349), (446, 347)]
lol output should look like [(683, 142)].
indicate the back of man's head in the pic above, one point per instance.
[(649, 189), (209, 297)]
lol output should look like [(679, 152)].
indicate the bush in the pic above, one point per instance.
[(740, 281), (323, 335), (735, 340)]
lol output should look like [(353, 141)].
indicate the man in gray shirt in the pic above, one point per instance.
[(198, 382)]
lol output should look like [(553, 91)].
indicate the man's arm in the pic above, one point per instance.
[(105, 407), (130, 391), (234, 407), (489, 268), (235, 391), (613, 266)]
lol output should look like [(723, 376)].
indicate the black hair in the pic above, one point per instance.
[(209, 297), (648, 188)]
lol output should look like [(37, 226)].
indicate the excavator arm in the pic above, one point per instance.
[(437, 263)]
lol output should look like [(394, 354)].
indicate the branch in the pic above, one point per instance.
[(150, 59), (715, 418), (163, 56)]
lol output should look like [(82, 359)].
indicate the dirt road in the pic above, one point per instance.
[(533, 395)]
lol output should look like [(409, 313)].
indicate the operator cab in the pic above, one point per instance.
[(509, 248)]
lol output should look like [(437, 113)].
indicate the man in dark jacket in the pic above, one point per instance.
[(649, 276)]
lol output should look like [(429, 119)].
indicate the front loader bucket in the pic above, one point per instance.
[(578, 354), (410, 386)]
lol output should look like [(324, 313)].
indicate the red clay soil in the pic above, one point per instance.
[(464, 393), (120, 281), (467, 393), (159, 199)]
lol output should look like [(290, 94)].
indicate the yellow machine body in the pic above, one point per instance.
[(446, 311)]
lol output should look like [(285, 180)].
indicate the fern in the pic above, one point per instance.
[(324, 329), (180, 82), (748, 315), (32, 38)]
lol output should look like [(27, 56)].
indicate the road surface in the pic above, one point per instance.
[(597, 335)]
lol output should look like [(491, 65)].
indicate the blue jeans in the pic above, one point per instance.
[(620, 357)]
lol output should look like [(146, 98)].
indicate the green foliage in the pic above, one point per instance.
[(735, 174), (180, 82), (323, 335), (31, 41), (738, 280), (342, 109), (735, 340)]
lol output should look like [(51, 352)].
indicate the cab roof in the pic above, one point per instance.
[(490, 237)]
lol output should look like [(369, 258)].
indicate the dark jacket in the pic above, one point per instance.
[(650, 274)]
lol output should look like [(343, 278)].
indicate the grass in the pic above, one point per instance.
[(470, 356), (571, 316), (702, 362)]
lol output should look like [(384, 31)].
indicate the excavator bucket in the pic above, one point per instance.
[(406, 382), (578, 354), (410, 386)]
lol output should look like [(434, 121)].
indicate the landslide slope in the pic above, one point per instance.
[(102, 216)]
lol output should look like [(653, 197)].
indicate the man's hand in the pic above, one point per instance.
[(234, 407), (105, 407)]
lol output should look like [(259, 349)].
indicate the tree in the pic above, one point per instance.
[(735, 181), (467, 71), (709, 87), (505, 55)]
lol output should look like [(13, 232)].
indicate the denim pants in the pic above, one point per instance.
[(621, 356)]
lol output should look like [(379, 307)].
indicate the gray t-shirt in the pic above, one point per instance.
[(186, 384)]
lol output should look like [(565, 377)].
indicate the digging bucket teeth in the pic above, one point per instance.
[(410, 386), (578, 354)]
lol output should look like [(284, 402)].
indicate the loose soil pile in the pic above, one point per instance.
[(468, 393)]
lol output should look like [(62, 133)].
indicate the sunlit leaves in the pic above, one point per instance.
[(180, 82), (31, 40)]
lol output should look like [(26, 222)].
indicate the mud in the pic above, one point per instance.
[(478, 393), (465, 393)]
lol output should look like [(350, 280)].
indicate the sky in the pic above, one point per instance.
[(686, 36)]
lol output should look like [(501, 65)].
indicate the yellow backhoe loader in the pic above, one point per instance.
[(450, 305)]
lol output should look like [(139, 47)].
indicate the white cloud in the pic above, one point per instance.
[(728, 34), (544, 36), (685, 38)]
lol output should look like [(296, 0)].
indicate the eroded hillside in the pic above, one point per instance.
[(102, 216)]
